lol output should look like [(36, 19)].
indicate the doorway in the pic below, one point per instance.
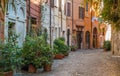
[(95, 37), (87, 39), (79, 39), (68, 37)]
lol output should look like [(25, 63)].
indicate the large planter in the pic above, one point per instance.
[(59, 56), (47, 67), (32, 69), (9, 73)]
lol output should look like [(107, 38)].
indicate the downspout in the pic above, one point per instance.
[(50, 26), (91, 16), (72, 16), (29, 21), (91, 27), (72, 21), (61, 19)]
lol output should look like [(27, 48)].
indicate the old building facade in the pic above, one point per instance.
[(54, 18), (75, 20), (33, 15), (83, 25), (15, 19)]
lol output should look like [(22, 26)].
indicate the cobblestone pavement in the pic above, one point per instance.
[(84, 63)]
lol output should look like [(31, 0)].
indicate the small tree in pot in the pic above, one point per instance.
[(10, 56), (107, 46), (60, 48), (31, 54), (46, 55)]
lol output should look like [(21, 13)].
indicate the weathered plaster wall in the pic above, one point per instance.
[(17, 15)]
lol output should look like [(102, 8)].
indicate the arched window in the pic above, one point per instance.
[(12, 8), (86, 6), (21, 12)]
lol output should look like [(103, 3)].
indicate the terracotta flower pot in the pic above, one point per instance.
[(47, 67), (32, 69), (9, 73), (59, 56)]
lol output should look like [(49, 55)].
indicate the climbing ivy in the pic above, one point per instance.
[(111, 13)]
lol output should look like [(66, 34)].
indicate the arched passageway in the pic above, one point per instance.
[(95, 37), (87, 39)]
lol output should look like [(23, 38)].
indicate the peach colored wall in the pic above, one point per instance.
[(86, 22), (34, 11)]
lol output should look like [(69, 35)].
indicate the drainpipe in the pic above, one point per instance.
[(50, 26), (29, 21), (91, 27), (72, 16), (61, 19), (91, 16), (72, 20)]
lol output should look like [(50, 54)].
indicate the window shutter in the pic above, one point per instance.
[(52, 3), (68, 9), (86, 6), (65, 9), (59, 5), (81, 12)]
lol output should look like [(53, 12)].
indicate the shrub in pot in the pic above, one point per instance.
[(60, 48), (107, 45), (30, 54), (73, 48), (66, 50), (35, 50), (46, 63), (10, 55), (46, 57), (57, 54)]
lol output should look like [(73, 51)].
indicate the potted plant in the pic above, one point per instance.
[(46, 56), (5, 63), (46, 63), (31, 54), (66, 50), (58, 54), (60, 49), (107, 46), (10, 56), (73, 48)]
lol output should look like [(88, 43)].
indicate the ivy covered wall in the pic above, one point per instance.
[(110, 13)]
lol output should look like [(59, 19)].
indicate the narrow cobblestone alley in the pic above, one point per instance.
[(84, 63)]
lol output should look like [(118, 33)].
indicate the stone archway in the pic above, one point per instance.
[(87, 39), (95, 37)]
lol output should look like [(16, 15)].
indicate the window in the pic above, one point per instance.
[(60, 5), (59, 31), (68, 9), (11, 29), (86, 6), (81, 12), (33, 20), (65, 9), (115, 4)]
